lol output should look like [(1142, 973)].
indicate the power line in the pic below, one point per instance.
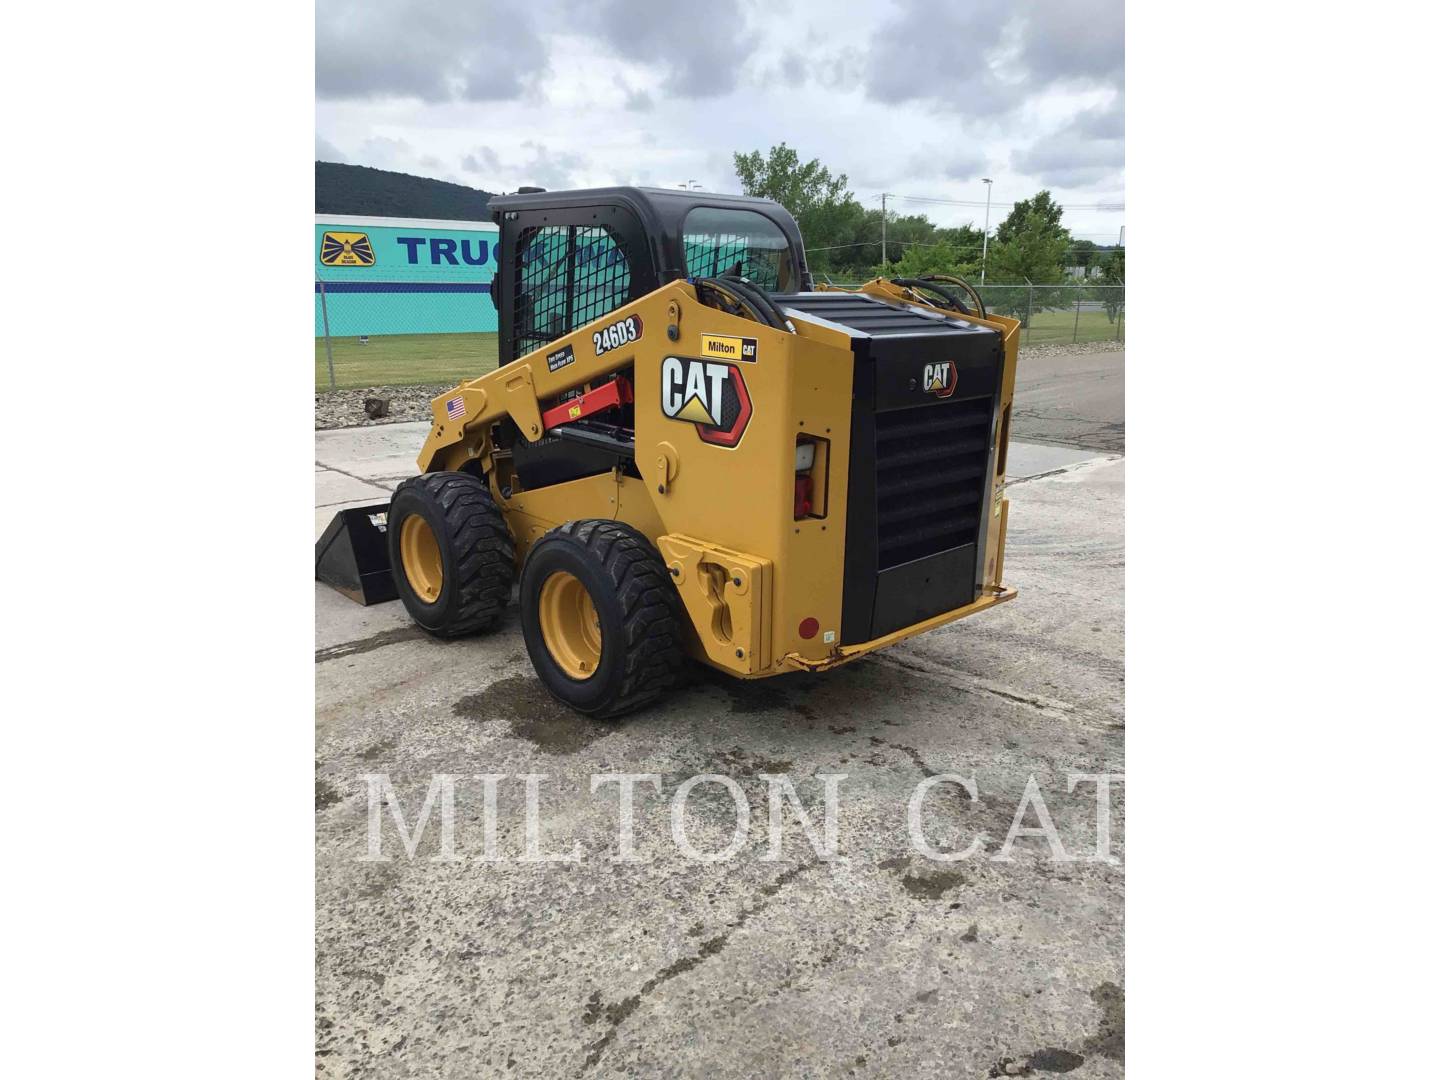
[(935, 243), (1108, 207)]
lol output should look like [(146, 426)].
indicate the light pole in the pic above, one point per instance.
[(884, 249), (985, 241)]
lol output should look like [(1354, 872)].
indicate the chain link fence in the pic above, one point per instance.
[(1060, 314), (364, 331), (1056, 314), (401, 333)]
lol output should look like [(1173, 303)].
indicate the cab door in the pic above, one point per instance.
[(563, 268)]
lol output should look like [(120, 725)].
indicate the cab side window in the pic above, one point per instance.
[(566, 276), (727, 241)]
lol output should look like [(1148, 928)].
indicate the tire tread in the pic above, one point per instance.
[(485, 562)]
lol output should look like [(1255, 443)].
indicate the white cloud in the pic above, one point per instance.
[(326, 151), (914, 98)]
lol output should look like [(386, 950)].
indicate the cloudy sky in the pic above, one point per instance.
[(920, 98)]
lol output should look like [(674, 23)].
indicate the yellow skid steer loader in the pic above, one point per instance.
[(690, 450)]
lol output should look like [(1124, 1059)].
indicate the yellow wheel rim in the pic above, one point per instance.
[(570, 625), (420, 555)]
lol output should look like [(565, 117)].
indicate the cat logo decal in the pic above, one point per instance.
[(711, 396)]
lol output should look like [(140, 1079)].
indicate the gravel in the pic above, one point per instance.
[(1066, 349), (346, 408)]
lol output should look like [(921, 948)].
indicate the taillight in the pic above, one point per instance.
[(804, 489), (811, 455)]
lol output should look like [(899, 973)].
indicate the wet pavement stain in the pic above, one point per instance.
[(1051, 1059), (533, 715), (384, 746), (373, 642), (747, 698), (325, 794), (930, 887), (738, 762), (933, 887), (1109, 1041)]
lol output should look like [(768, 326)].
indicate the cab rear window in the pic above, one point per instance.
[(724, 241)]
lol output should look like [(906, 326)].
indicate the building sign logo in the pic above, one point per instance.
[(346, 249)]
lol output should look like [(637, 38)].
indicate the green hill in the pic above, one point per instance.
[(361, 190)]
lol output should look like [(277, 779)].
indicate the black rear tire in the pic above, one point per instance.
[(475, 551), (638, 610)]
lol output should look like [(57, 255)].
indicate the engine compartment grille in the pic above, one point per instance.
[(930, 463)]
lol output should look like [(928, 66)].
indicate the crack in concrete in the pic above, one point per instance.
[(617, 1014), (970, 682), (352, 476), (908, 751), (1088, 463)]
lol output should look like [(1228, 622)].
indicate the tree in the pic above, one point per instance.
[(842, 237), (1033, 254), (1112, 273), (1083, 253), (820, 203), (940, 257), (1041, 207)]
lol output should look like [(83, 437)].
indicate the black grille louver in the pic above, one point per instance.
[(920, 468), (930, 463)]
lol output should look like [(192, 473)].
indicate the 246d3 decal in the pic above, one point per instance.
[(711, 396), (618, 333)]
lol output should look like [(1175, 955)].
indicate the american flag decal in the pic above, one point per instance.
[(455, 408)]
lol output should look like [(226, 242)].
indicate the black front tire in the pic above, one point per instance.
[(476, 552), (640, 616)]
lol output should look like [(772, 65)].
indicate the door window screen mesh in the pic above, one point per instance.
[(566, 275), (737, 242)]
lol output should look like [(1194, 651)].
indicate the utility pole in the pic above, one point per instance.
[(884, 251), (985, 241)]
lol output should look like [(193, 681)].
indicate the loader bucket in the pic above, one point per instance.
[(352, 557)]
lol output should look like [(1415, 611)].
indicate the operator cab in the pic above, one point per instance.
[(570, 257)]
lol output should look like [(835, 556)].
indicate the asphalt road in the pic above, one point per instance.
[(879, 962), (1071, 399)]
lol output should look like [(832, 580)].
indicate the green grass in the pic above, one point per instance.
[(1058, 327), (413, 359), (406, 359)]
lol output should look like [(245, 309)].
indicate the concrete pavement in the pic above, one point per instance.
[(879, 962)]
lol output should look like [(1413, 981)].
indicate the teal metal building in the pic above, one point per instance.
[(377, 275)]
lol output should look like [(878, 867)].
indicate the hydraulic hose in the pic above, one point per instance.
[(952, 280), (741, 297), (779, 321)]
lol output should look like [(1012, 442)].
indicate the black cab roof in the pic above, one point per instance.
[(660, 211)]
